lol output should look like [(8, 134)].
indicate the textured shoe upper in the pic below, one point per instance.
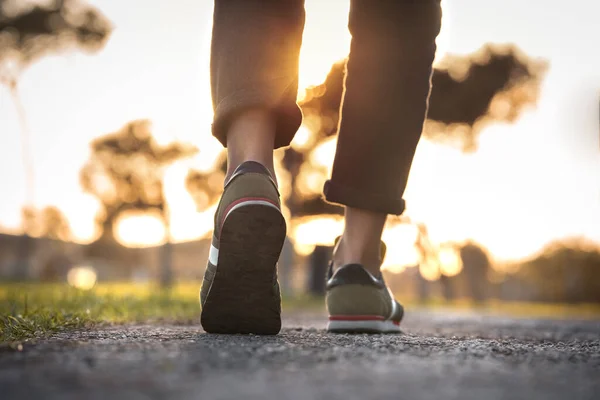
[(353, 274), (250, 181), (352, 290), (250, 167)]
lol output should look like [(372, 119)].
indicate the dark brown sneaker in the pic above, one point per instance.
[(240, 292), (359, 302)]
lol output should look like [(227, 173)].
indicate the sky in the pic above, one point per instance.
[(527, 184)]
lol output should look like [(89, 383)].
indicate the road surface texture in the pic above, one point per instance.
[(439, 356)]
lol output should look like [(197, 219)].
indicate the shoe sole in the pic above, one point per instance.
[(242, 298), (362, 326)]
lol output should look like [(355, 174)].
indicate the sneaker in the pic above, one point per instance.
[(240, 292), (359, 302)]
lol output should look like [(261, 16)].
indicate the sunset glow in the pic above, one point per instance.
[(140, 230), (527, 183), (82, 277)]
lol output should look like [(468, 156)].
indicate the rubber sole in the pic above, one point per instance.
[(243, 297), (356, 326)]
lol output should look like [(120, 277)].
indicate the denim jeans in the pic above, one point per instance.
[(254, 63)]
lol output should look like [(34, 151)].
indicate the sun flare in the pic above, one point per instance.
[(525, 185)]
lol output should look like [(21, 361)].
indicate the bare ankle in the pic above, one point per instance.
[(268, 164), (367, 256), (251, 137), (361, 241)]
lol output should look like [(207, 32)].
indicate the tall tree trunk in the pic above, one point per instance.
[(166, 264), (27, 245), (422, 286), (447, 290), (108, 226), (25, 250), (25, 144), (166, 253), (318, 263)]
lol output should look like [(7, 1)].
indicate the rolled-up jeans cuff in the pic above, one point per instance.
[(358, 198), (287, 113)]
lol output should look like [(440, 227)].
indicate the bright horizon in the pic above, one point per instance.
[(513, 199)]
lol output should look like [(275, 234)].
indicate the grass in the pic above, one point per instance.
[(35, 310)]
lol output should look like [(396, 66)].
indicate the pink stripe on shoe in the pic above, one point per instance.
[(356, 318)]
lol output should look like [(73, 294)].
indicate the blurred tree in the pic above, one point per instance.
[(476, 267), (429, 260), (494, 84), (48, 222), (27, 33), (205, 187), (564, 271), (125, 173)]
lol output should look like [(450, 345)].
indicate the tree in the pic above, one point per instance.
[(48, 222), (125, 173), (27, 33), (476, 267), (31, 31), (206, 187), (563, 271), (494, 84)]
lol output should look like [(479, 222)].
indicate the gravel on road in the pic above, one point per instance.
[(440, 355)]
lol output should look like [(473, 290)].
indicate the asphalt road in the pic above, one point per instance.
[(440, 356)]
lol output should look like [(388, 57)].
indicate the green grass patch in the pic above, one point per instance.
[(36, 310)]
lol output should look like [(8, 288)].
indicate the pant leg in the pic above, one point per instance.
[(254, 62), (385, 101)]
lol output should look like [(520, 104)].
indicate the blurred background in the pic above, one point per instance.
[(109, 173)]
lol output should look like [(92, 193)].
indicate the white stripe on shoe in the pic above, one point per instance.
[(394, 304), (247, 201), (250, 203), (213, 255)]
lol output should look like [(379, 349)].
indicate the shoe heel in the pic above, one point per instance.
[(244, 297)]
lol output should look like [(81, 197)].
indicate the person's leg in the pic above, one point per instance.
[(251, 137), (384, 106), (360, 242), (254, 78), (385, 102)]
